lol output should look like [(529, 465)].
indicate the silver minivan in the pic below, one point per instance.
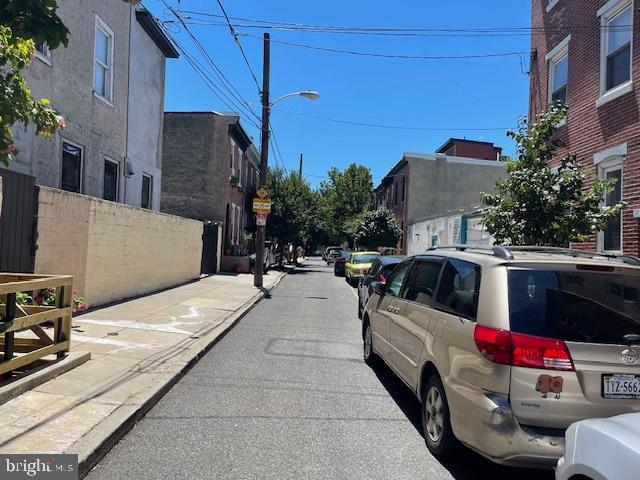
[(506, 347)]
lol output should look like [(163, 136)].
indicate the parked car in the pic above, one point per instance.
[(379, 272), (325, 254), (338, 265), (602, 449), (507, 347), (333, 254), (358, 265)]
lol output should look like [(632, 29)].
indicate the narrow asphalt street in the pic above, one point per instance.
[(286, 395)]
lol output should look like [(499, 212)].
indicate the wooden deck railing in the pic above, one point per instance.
[(15, 318)]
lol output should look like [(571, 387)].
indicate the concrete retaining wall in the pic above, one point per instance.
[(114, 251)]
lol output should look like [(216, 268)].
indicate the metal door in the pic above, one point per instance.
[(209, 248)]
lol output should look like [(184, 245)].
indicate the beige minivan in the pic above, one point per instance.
[(506, 347)]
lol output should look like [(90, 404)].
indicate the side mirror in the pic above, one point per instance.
[(378, 287)]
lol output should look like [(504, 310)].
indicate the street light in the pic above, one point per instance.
[(308, 94), (264, 147)]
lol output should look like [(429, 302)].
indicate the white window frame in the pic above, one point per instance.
[(46, 56), (240, 167), (605, 166), (608, 11), (555, 55), (117, 164), (551, 4), (104, 28), (82, 151), (150, 177), (232, 156)]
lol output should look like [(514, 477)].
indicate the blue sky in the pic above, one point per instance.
[(452, 94)]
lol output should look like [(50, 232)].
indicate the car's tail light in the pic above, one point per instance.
[(383, 279), (520, 350)]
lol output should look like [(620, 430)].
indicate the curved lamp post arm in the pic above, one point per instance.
[(308, 94)]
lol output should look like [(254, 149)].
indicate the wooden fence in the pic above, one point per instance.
[(18, 316)]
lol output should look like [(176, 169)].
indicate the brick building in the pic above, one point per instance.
[(582, 54), (209, 170)]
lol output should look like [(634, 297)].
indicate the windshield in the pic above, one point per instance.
[(573, 305), (365, 258)]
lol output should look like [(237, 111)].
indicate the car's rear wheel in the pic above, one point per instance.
[(370, 357), (436, 420)]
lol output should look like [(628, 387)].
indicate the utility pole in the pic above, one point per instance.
[(264, 156), (301, 166)]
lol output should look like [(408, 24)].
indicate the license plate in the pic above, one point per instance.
[(621, 386)]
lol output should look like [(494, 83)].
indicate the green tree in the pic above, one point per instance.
[(536, 205), (293, 209), (22, 22), (343, 200), (377, 228)]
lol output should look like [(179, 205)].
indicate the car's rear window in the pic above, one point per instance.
[(387, 269), (364, 258), (574, 305)]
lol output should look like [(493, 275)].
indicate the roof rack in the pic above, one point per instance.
[(496, 251), (507, 252)]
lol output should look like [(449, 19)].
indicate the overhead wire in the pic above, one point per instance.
[(237, 41), (238, 101), (388, 126)]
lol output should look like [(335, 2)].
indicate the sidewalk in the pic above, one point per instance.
[(138, 349)]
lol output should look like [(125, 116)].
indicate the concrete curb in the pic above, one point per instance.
[(38, 377), (103, 437)]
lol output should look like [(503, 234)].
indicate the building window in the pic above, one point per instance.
[(558, 79), (147, 193), (617, 30), (611, 237), (551, 4), (71, 167), (395, 194), (558, 58), (103, 61), (110, 180), (239, 167), (404, 186), (43, 52)]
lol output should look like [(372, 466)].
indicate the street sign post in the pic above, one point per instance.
[(261, 219), (261, 205)]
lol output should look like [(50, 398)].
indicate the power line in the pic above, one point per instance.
[(225, 82), (458, 31), (392, 127), (277, 147), (391, 55), (237, 40)]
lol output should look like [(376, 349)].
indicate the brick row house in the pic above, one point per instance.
[(210, 172), (584, 53), (109, 84)]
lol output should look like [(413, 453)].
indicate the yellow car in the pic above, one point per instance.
[(358, 265)]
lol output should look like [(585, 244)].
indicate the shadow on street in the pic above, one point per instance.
[(469, 464)]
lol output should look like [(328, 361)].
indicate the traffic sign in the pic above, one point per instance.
[(261, 205), (262, 192), (261, 219)]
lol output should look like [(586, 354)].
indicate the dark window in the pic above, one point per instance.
[(612, 232), (364, 258), (146, 192), (422, 281), (110, 181), (375, 268), (43, 49), (395, 193), (619, 33), (576, 306), (71, 167), (394, 284), (404, 186), (458, 291)]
